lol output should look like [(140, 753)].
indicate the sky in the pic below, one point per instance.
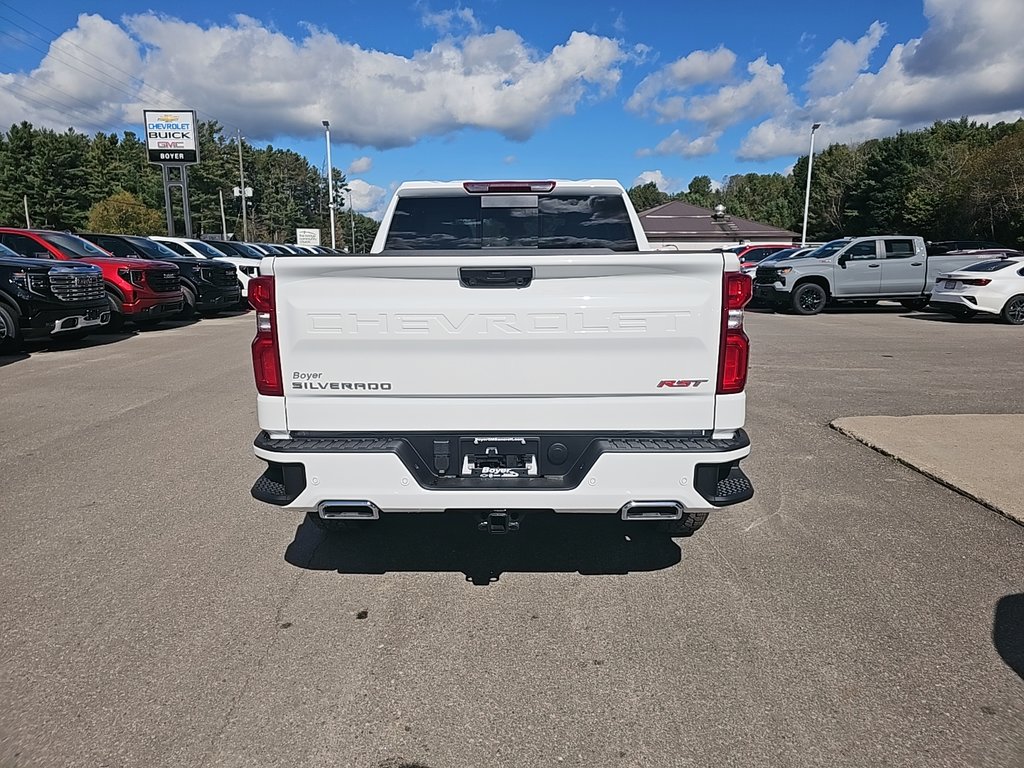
[(425, 89)]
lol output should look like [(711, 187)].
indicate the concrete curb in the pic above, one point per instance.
[(931, 474)]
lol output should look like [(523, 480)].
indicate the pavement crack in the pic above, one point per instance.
[(257, 667)]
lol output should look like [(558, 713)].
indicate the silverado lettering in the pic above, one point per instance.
[(350, 386)]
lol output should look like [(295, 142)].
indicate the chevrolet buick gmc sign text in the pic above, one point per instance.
[(171, 136)]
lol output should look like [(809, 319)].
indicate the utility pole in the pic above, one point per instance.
[(223, 219), (241, 176), (330, 180)]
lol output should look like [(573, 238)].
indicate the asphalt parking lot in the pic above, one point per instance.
[(854, 613)]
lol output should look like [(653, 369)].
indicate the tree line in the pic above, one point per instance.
[(953, 180), (74, 181)]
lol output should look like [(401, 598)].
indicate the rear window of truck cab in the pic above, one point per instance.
[(518, 221)]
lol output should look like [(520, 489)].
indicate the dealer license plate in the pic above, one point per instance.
[(498, 457)]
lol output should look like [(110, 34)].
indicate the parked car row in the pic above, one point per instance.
[(207, 285), (864, 270), (68, 285), (71, 284), (144, 292)]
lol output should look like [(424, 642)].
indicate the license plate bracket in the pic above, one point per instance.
[(950, 285), (499, 457)]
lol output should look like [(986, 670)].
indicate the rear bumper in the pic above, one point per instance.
[(154, 305), (607, 473), (953, 302), (56, 321)]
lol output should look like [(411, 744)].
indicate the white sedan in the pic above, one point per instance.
[(994, 286)]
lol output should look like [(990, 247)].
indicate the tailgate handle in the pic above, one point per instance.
[(484, 277)]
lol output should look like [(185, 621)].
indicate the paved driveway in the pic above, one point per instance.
[(853, 614)]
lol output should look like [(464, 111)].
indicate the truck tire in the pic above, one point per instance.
[(809, 299), (914, 305), (687, 525), (10, 329), (116, 323), (1013, 310), (188, 306)]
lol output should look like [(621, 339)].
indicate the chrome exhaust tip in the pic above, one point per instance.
[(348, 510), (652, 510)]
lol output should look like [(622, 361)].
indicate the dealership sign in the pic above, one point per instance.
[(307, 237), (171, 137)]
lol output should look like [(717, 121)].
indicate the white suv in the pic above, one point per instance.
[(246, 268)]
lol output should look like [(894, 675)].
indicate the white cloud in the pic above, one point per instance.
[(843, 61), (658, 92), (367, 199), (447, 21), (74, 83), (662, 182), (969, 61), (510, 159), (360, 165), (666, 94), (248, 74), (676, 143), (701, 67), (764, 93)]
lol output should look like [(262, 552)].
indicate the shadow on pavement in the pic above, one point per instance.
[(841, 309), (7, 358), (450, 542), (880, 309), (57, 344), (165, 325), (939, 317), (1008, 632), (231, 313)]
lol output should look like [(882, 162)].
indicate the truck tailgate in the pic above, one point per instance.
[(603, 341)]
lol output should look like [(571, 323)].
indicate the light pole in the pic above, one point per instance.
[(241, 178), (330, 179), (807, 194)]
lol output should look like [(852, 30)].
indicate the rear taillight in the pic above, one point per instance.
[(735, 346), (266, 358), (978, 281)]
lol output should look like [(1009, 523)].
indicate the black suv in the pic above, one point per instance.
[(40, 298), (209, 286)]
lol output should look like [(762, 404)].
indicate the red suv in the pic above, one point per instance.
[(144, 292), (753, 253)]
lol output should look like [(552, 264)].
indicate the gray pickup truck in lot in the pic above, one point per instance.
[(855, 270)]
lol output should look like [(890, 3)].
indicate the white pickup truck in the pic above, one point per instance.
[(505, 347)]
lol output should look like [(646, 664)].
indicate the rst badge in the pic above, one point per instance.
[(682, 383)]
